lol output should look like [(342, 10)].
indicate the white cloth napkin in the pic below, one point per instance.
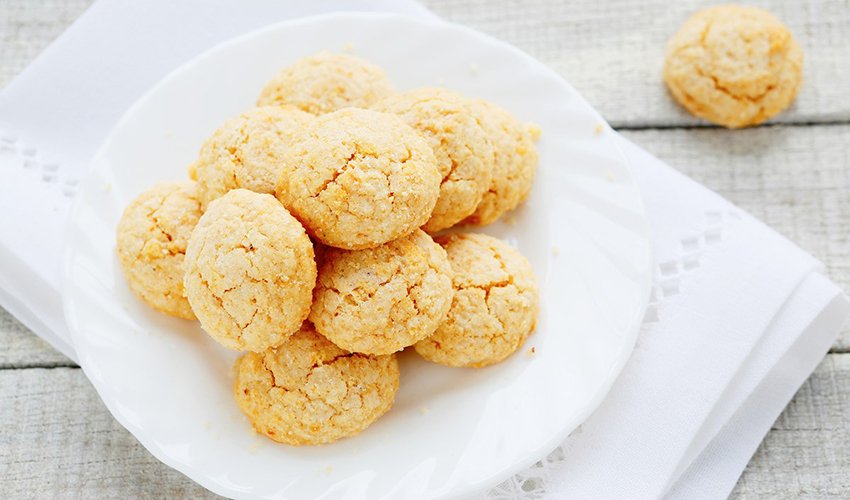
[(740, 316)]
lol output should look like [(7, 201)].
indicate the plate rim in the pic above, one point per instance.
[(198, 476)]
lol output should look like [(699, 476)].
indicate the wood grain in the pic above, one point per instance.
[(612, 52), (27, 27), (58, 440), (21, 348), (805, 455)]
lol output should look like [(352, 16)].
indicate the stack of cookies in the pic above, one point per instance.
[(305, 240)]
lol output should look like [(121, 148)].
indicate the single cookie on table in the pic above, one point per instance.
[(151, 244), (246, 152), (735, 66), (327, 82), (358, 178), (494, 308), (381, 300), (464, 153), (309, 391), (515, 162), (250, 271)]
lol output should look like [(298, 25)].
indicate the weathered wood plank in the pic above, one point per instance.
[(805, 455), (612, 52), (795, 179), (58, 440), (27, 27), (21, 348)]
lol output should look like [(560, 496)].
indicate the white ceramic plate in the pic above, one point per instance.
[(451, 431)]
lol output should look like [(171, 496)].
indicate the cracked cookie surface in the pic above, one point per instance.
[(327, 82), (246, 152), (309, 391), (514, 162), (250, 271), (494, 308), (735, 66), (151, 244), (381, 300), (358, 178), (463, 151)]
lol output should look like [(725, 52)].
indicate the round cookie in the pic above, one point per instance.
[(381, 300), (151, 244), (250, 271), (515, 162), (246, 152), (309, 391), (464, 153), (327, 82), (735, 66), (358, 178), (494, 307)]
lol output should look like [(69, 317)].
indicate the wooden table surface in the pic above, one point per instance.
[(58, 440)]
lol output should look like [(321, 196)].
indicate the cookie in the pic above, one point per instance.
[(151, 244), (514, 164), (357, 179), (327, 82), (246, 152), (309, 391), (464, 153), (494, 308), (381, 300), (250, 271), (735, 66)]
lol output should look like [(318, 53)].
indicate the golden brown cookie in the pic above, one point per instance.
[(735, 66), (357, 178), (327, 82), (309, 391), (151, 244), (464, 153), (246, 152), (494, 307), (515, 162), (381, 300), (250, 271)]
